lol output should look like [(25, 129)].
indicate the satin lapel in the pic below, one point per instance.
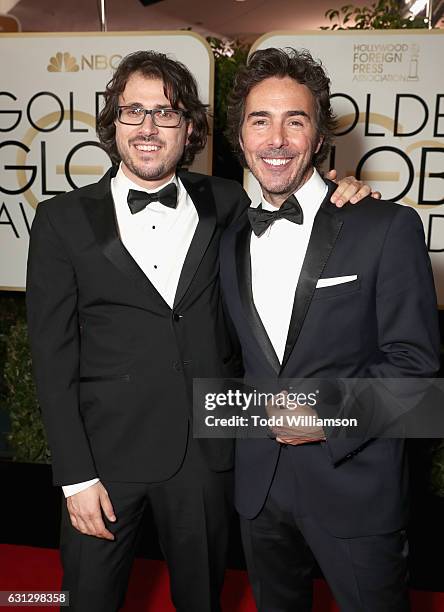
[(101, 215), (243, 268), (326, 228), (201, 194)]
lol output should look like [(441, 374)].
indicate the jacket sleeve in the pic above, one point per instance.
[(53, 326), (408, 329), (408, 336)]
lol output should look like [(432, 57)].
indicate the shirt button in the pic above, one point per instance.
[(154, 227), (155, 267)]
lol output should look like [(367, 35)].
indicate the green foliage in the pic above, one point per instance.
[(12, 309), (27, 437), (228, 56), (437, 471), (381, 15)]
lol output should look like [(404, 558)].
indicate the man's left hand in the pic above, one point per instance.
[(289, 433), (350, 190)]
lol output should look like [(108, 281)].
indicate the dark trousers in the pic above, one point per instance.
[(192, 511), (366, 574)]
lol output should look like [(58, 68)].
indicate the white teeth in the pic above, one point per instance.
[(147, 148), (279, 161)]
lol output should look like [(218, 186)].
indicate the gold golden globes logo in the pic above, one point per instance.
[(62, 62)]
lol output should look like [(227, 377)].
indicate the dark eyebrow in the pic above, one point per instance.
[(140, 105), (298, 113), (290, 113), (259, 114)]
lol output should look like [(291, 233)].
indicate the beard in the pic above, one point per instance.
[(284, 185), (149, 169), (145, 172)]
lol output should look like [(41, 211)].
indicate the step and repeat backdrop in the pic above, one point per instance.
[(51, 89), (388, 94)]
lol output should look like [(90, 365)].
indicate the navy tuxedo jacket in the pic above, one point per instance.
[(383, 324), (113, 362)]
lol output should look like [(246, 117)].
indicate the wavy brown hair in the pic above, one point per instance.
[(179, 86), (298, 65)]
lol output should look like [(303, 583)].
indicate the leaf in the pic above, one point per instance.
[(27, 438), (333, 13)]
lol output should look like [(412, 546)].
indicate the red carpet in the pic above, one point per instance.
[(26, 568)]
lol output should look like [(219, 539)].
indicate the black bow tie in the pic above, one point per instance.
[(138, 200), (261, 219)]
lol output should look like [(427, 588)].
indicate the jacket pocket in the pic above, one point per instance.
[(337, 290), (110, 378)]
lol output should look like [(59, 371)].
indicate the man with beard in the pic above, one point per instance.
[(319, 292), (124, 310)]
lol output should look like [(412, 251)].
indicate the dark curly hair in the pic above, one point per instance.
[(179, 86), (288, 62)]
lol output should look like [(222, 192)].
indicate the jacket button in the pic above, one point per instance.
[(177, 367), (177, 317)]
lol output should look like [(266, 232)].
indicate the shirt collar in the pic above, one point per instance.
[(309, 196), (124, 184)]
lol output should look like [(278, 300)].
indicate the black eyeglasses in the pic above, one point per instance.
[(162, 117)]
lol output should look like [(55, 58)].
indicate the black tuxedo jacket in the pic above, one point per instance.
[(383, 324), (113, 362)]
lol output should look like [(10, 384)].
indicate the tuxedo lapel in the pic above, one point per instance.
[(326, 228), (201, 194), (243, 269), (101, 214)]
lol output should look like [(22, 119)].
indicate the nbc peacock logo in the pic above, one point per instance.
[(62, 62)]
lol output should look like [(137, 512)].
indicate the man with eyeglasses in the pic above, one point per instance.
[(124, 311)]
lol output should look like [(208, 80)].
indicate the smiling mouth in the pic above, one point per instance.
[(276, 161), (147, 148)]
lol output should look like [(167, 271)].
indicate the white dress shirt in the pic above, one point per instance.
[(158, 239), (276, 261)]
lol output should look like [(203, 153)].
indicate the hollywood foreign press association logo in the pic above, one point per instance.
[(62, 62)]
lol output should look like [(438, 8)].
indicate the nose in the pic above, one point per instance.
[(278, 135), (148, 126)]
